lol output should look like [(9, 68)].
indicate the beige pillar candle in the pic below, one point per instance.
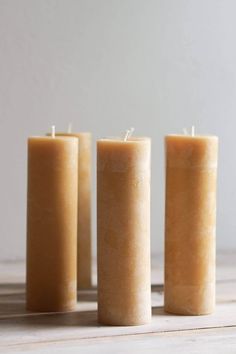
[(191, 173), (123, 203), (84, 250), (52, 223)]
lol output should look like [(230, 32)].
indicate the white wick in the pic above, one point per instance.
[(69, 130), (131, 131), (128, 133), (53, 131), (193, 131)]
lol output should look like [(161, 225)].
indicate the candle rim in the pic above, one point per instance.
[(61, 133), (48, 137), (118, 139), (199, 136)]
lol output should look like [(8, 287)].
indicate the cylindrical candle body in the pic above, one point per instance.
[(123, 206), (190, 222), (84, 251), (52, 224)]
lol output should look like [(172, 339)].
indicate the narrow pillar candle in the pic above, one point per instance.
[(52, 224), (123, 207), (190, 224), (84, 250)]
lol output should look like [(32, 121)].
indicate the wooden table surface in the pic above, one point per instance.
[(78, 331)]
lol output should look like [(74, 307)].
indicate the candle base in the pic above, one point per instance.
[(103, 320), (190, 300), (185, 313)]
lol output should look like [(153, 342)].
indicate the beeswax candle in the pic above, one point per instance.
[(84, 251), (123, 206), (190, 224), (52, 223)]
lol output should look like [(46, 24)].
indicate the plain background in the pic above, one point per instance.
[(107, 65)]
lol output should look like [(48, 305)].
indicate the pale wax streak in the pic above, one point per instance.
[(185, 131), (53, 131), (69, 130)]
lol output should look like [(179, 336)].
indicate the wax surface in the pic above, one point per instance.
[(84, 251), (123, 206), (52, 224), (190, 224)]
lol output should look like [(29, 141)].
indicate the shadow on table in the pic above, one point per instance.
[(52, 320), (12, 308), (159, 288), (159, 311), (12, 299), (87, 295), (11, 288)]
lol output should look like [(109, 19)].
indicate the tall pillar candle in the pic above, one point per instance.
[(84, 250), (190, 224), (52, 223), (123, 207)]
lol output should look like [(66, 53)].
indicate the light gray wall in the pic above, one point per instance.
[(105, 65)]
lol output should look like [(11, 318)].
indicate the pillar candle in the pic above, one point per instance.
[(123, 217), (190, 224), (52, 223), (84, 251)]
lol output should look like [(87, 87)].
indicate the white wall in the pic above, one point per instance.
[(105, 65)]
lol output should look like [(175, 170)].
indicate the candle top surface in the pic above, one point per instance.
[(117, 139), (50, 137), (59, 133), (189, 136)]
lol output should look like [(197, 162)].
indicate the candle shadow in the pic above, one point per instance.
[(12, 299), (12, 287), (159, 311), (51, 320), (13, 310), (157, 288), (87, 295)]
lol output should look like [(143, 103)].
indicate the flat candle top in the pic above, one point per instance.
[(49, 137), (132, 139), (183, 136), (73, 132)]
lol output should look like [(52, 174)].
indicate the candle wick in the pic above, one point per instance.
[(131, 131), (53, 131), (185, 131), (128, 133), (69, 130), (193, 130)]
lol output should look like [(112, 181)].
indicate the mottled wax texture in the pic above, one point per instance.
[(52, 224), (123, 206), (190, 224), (84, 252)]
